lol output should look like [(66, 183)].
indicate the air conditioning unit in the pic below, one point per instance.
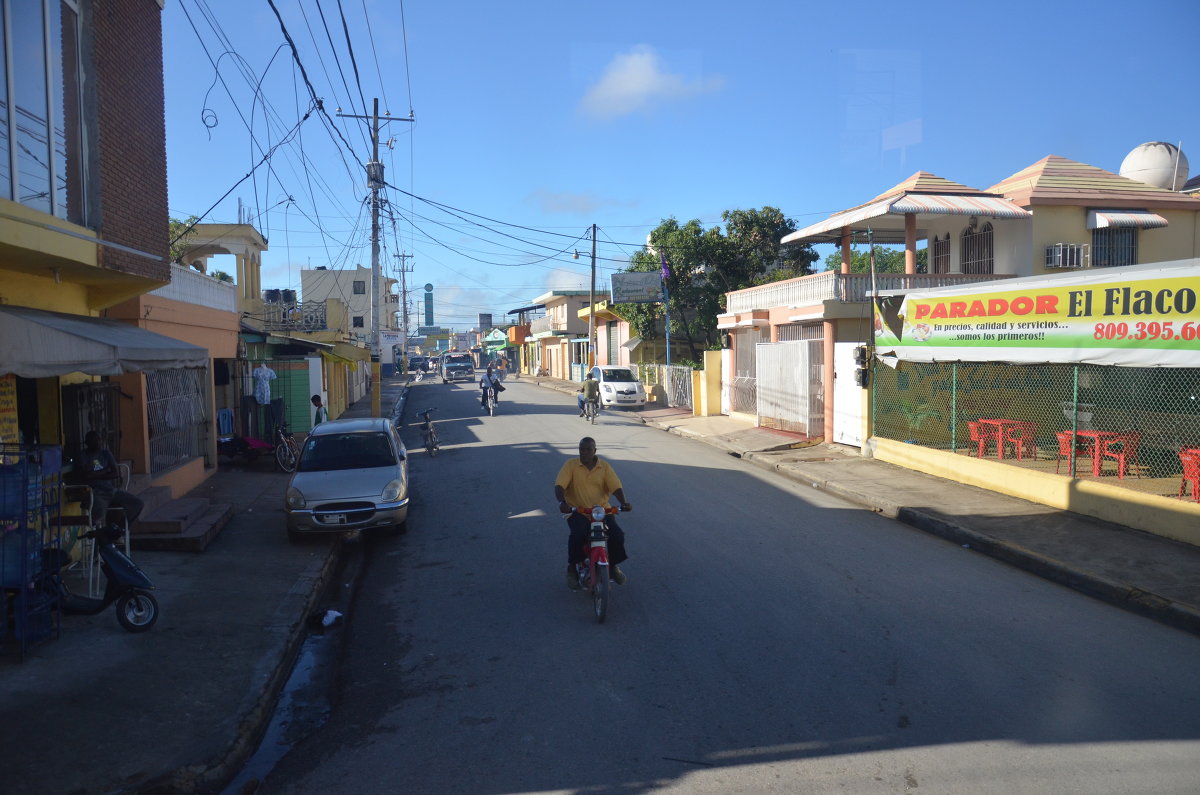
[(1067, 255)]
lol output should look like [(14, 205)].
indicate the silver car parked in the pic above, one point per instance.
[(352, 475)]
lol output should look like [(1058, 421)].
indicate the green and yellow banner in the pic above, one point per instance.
[(1144, 316)]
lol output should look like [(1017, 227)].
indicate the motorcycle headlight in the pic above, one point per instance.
[(598, 513), (391, 491), (294, 498)]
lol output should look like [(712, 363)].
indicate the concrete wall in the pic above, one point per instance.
[(1163, 516)]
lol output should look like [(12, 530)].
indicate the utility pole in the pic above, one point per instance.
[(375, 182), (404, 308), (592, 307)]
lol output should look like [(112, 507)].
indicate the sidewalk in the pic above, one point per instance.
[(1152, 576), (180, 708)]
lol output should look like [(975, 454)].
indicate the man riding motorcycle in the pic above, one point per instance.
[(584, 482)]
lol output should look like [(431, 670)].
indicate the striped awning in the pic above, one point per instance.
[(829, 230), (1141, 219), (954, 204)]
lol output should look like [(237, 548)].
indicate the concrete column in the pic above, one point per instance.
[(845, 249), (829, 329), (242, 277), (910, 243)]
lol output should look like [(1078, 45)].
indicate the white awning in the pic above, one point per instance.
[(38, 344), (1140, 219), (830, 229)]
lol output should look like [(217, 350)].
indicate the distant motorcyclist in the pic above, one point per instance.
[(590, 390), (488, 382)]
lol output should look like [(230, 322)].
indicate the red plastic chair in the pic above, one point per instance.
[(981, 438), (1064, 449), (1022, 436), (1123, 449), (1191, 472)]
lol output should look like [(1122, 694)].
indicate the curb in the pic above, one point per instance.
[(202, 777)]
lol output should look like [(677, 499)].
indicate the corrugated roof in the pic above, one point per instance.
[(1057, 180)]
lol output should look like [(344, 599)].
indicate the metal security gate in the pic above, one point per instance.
[(791, 394), (178, 421)]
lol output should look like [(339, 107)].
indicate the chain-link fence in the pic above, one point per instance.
[(1132, 426)]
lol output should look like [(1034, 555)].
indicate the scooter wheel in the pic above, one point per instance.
[(137, 611)]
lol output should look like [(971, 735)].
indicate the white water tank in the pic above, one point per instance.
[(1157, 163)]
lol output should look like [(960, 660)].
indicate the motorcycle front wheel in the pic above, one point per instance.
[(600, 593), (137, 611)]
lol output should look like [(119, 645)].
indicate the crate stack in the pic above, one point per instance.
[(30, 497)]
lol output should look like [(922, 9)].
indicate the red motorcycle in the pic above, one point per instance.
[(593, 571)]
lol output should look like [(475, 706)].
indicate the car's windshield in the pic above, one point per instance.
[(459, 360), (346, 451), (618, 374)]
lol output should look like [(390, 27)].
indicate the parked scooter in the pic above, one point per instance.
[(125, 584)]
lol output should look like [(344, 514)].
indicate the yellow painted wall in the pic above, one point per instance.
[(46, 243), (1051, 225), (1171, 518), (23, 289)]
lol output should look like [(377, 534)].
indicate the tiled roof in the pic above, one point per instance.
[(924, 182), (1057, 180)]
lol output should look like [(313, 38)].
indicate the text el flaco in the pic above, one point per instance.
[(1106, 302)]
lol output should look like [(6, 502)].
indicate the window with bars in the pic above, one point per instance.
[(360, 287), (1114, 246), (940, 254), (977, 249), (357, 321), (175, 401)]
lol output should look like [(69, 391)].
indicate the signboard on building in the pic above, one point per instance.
[(8, 410), (485, 321), (1139, 316), (637, 288)]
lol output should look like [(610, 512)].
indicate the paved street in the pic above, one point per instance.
[(770, 638)]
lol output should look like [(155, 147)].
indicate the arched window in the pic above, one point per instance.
[(941, 254), (976, 249)]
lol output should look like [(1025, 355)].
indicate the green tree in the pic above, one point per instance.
[(221, 276), (179, 240), (705, 264), (887, 260)]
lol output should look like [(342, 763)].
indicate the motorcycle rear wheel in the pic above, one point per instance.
[(137, 611), (600, 594)]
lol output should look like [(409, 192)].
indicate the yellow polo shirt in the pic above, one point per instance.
[(587, 487)]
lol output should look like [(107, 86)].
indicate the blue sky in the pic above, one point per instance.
[(536, 119)]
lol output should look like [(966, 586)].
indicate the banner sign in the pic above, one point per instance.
[(1140, 316), (637, 288)]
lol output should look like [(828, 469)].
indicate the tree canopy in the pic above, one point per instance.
[(887, 260), (705, 264), (175, 229)]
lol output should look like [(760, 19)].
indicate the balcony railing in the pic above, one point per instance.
[(193, 287), (302, 316), (544, 324), (845, 287)]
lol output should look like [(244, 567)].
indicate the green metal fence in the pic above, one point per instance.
[(1096, 421)]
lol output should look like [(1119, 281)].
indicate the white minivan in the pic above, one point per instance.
[(619, 386)]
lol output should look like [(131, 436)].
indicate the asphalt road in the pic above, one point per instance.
[(770, 639)]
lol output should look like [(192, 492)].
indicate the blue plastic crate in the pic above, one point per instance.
[(20, 557)]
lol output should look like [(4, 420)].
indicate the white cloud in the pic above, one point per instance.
[(635, 81), (577, 203)]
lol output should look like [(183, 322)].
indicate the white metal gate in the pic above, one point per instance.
[(847, 396), (791, 380)]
